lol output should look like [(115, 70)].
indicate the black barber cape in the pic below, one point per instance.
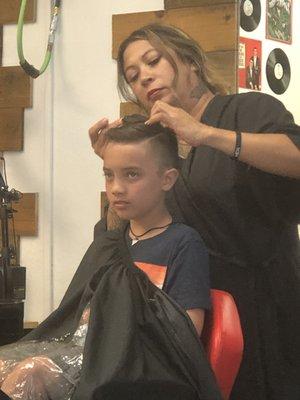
[(140, 344)]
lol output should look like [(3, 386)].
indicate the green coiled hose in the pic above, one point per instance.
[(30, 69)]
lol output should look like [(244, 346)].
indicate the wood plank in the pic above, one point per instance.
[(1, 44), (26, 217), (15, 88), (128, 108), (214, 27), (168, 4), (10, 11), (224, 63), (30, 324), (11, 129)]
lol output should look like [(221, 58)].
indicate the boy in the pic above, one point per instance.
[(140, 167)]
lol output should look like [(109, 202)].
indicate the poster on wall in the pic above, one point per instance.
[(250, 63), (279, 20)]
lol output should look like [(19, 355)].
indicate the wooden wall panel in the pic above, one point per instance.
[(26, 217), (214, 27), (127, 108), (194, 3), (1, 43), (29, 325), (224, 63), (15, 88), (10, 11), (11, 129)]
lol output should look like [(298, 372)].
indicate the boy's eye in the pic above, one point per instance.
[(107, 174), (132, 174)]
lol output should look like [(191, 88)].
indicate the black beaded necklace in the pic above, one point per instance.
[(137, 237)]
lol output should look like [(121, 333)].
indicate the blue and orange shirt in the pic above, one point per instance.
[(176, 261)]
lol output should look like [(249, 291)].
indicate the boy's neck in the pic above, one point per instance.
[(160, 220)]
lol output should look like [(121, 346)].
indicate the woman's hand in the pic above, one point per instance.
[(187, 128), (97, 134)]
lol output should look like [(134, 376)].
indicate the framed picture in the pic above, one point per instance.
[(250, 63), (279, 20)]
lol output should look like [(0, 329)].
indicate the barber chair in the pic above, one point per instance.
[(223, 340)]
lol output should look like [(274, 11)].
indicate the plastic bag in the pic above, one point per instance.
[(38, 370)]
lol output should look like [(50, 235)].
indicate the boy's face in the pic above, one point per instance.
[(135, 184)]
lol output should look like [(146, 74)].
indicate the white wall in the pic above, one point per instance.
[(57, 162)]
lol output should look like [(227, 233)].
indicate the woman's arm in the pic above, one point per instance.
[(271, 152)]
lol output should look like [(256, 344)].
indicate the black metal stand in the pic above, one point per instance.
[(6, 275), (11, 321), (11, 304)]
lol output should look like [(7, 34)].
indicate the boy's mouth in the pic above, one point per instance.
[(120, 204)]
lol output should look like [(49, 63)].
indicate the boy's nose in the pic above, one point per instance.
[(117, 187)]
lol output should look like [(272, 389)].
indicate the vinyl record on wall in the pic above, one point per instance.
[(250, 13), (278, 71)]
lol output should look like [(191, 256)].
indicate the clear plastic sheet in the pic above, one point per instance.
[(38, 370)]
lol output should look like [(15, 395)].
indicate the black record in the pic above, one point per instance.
[(278, 71), (250, 12)]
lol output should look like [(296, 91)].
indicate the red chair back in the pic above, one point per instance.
[(223, 340)]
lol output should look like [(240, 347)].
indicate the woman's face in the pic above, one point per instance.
[(151, 77)]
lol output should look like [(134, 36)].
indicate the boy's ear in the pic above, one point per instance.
[(169, 178)]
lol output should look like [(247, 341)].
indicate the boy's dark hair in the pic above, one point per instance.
[(162, 140)]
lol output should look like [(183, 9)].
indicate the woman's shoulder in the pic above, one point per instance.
[(245, 98), (252, 111)]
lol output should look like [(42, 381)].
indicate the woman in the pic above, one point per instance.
[(239, 188)]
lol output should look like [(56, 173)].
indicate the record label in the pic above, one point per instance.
[(250, 13), (248, 8), (278, 71)]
